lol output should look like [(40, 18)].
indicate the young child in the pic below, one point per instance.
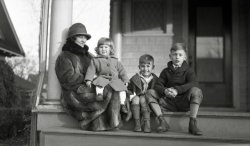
[(177, 87), (138, 87), (105, 69)]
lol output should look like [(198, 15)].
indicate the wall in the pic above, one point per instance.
[(136, 45)]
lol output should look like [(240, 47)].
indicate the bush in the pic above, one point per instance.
[(13, 122)]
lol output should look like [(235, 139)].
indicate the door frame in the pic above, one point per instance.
[(228, 34)]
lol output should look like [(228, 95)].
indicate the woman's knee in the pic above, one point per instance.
[(196, 95)]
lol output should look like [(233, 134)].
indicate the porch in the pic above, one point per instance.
[(224, 122)]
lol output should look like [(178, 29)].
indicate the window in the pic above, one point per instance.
[(147, 15)]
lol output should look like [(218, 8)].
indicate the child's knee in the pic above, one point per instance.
[(196, 95), (135, 100), (142, 100), (151, 93)]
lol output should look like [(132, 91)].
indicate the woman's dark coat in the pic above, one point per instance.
[(77, 98)]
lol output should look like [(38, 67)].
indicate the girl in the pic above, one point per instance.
[(105, 69)]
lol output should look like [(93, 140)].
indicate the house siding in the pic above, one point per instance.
[(136, 45)]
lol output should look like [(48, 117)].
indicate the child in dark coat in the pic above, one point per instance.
[(138, 87), (105, 69), (177, 87)]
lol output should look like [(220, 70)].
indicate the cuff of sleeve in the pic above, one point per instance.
[(179, 91)]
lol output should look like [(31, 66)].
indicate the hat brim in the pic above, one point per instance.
[(88, 36)]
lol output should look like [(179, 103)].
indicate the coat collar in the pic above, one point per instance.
[(136, 79), (100, 56), (74, 48), (183, 67)]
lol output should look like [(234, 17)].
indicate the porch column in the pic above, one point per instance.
[(61, 19), (116, 26)]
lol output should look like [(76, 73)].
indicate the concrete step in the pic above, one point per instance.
[(63, 136), (222, 124)]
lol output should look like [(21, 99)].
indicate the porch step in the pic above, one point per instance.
[(221, 124), (63, 136)]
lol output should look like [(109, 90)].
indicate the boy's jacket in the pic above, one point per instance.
[(136, 86), (182, 78)]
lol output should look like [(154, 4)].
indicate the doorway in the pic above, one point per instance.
[(210, 50)]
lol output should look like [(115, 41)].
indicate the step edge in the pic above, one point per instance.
[(211, 114), (148, 135)]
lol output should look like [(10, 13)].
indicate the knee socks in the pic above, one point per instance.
[(194, 110)]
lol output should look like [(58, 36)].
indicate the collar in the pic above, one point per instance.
[(101, 56), (74, 48), (183, 67)]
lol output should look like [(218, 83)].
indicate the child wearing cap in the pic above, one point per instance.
[(105, 69)]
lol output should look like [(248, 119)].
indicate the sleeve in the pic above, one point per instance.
[(91, 71), (130, 88), (122, 72), (190, 82), (161, 83), (68, 76)]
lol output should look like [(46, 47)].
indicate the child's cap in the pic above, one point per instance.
[(178, 46), (78, 29), (146, 58), (106, 41)]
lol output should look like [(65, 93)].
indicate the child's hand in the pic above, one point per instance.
[(88, 83), (169, 93), (173, 92)]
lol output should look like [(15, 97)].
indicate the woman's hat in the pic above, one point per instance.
[(78, 29)]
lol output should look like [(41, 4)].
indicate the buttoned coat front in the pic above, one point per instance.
[(79, 100), (108, 71), (136, 85)]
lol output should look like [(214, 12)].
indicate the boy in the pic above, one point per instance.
[(177, 87), (138, 87)]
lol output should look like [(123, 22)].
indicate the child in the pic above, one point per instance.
[(178, 87), (108, 71), (138, 87)]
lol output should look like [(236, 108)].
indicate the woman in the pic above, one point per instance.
[(78, 99)]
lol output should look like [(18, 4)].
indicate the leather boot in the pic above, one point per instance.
[(163, 125), (135, 108), (146, 118), (193, 129), (146, 127), (137, 125)]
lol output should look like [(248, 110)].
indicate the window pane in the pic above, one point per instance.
[(210, 44), (148, 15)]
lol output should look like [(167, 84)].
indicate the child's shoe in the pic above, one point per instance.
[(124, 109), (147, 128), (137, 125), (163, 125), (193, 129)]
